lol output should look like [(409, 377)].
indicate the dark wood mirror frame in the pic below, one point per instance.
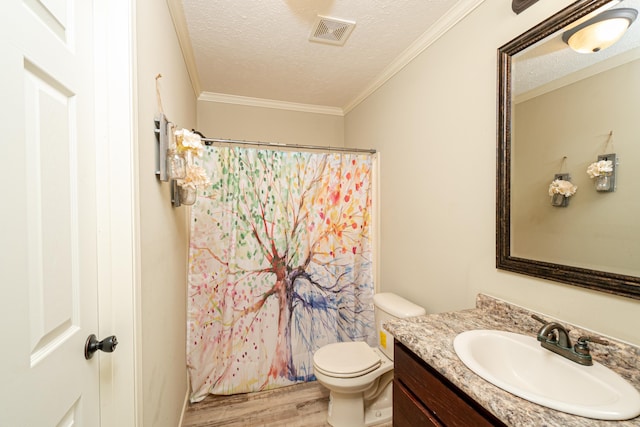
[(613, 283)]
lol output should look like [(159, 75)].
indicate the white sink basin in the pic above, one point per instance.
[(516, 363)]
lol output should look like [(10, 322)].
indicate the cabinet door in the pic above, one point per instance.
[(441, 398), (408, 412)]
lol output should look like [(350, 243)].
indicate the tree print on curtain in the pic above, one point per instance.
[(280, 264)]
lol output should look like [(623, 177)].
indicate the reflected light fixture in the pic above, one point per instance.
[(601, 31)]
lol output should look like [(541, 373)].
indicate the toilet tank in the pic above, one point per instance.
[(390, 307)]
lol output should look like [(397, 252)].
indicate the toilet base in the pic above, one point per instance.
[(350, 410), (381, 409)]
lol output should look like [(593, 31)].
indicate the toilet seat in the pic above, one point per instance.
[(346, 359)]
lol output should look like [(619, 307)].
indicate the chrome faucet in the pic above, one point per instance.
[(555, 337)]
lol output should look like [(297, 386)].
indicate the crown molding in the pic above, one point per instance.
[(269, 103), (451, 18), (444, 24), (182, 31)]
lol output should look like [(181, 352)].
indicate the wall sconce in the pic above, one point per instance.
[(174, 161), (601, 31), (604, 172), (176, 166), (561, 189), (167, 166), (182, 195)]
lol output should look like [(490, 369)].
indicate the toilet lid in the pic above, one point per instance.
[(346, 359)]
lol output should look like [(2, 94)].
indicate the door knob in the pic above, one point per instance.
[(108, 345)]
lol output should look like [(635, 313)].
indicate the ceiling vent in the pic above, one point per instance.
[(331, 30)]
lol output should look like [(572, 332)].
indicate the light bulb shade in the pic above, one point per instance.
[(601, 31)]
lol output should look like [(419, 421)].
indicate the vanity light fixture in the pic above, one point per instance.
[(601, 31)]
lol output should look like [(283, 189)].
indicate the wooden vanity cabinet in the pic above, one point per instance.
[(423, 397)]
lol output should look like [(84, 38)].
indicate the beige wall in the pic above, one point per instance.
[(435, 126), (597, 230), (253, 123), (163, 229)]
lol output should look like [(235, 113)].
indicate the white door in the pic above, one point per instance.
[(48, 227)]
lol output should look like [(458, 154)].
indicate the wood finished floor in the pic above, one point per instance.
[(300, 405)]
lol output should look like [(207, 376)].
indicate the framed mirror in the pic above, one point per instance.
[(558, 111)]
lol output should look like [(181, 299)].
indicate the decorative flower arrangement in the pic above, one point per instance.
[(196, 177), (189, 145), (600, 168), (187, 141), (560, 186)]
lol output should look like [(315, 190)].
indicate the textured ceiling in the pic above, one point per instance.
[(261, 48)]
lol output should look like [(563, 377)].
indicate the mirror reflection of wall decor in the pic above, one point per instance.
[(561, 189), (603, 172), (556, 103)]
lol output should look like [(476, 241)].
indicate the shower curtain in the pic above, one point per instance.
[(280, 264)]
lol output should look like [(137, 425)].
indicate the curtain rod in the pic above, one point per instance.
[(209, 141)]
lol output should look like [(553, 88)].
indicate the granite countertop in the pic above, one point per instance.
[(431, 337)]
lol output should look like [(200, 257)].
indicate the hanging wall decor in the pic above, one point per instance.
[(176, 151), (604, 172), (561, 189), (189, 146)]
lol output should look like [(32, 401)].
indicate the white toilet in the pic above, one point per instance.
[(360, 377)]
